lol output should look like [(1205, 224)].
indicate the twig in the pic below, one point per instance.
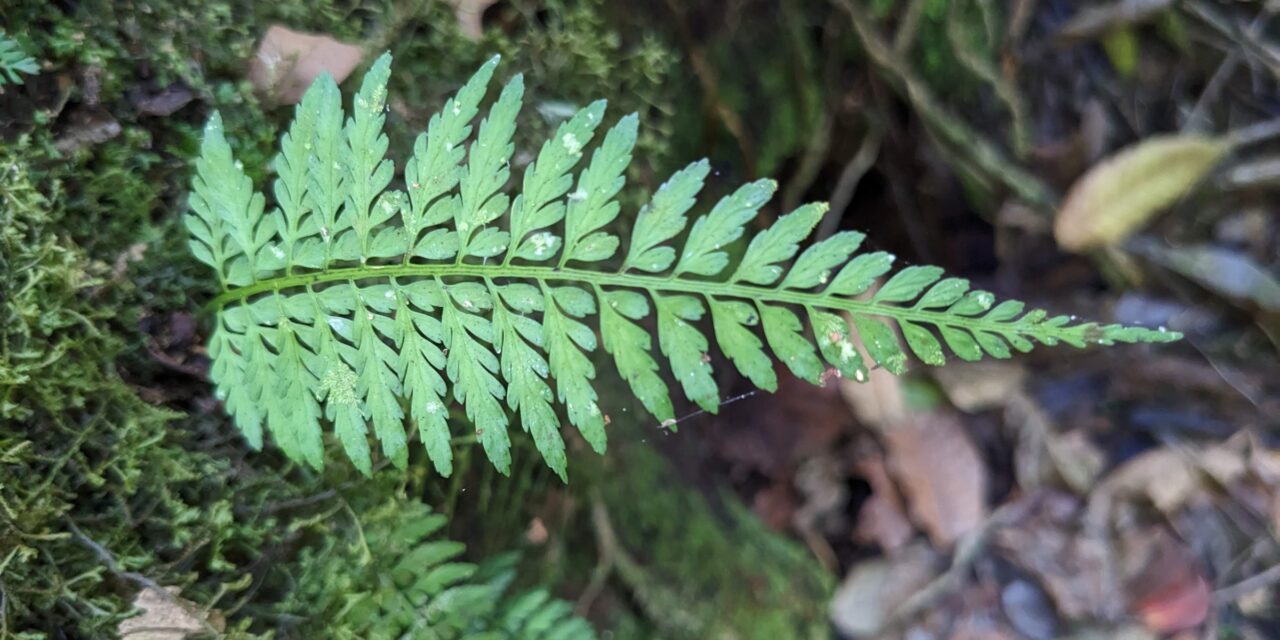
[(607, 547), (4, 611), (847, 184), (968, 550), (819, 145), (949, 127), (1019, 20), (1223, 373), (169, 362), (986, 71), (294, 503), (133, 576), (990, 21), (1255, 133), (664, 609), (1197, 118), (1251, 44), (1100, 18), (908, 27), (1233, 592), (62, 460), (707, 79), (814, 156)]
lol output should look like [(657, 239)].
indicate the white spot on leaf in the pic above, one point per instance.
[(571, 144), (846, 350)]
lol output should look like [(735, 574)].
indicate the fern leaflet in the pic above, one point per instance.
[(13, 60), (357, 303), (404, 581)]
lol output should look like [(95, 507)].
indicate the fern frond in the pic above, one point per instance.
[(405, 581), (355, 304), (13, 60)]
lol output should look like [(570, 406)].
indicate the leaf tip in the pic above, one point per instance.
[(628, 125), (214, 124)]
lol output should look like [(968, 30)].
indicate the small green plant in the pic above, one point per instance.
[(14, 60), (352, 303), (400, 579)]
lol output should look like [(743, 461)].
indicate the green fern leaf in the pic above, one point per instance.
[(404, 581), (13, 60), (537, 616), (358, 306)]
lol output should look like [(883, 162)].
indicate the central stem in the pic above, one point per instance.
[(657, 284)]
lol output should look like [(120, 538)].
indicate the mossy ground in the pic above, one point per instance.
[(117, 467)]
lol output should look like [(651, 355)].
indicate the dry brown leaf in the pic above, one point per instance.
[(1169, 594), (882, 520), (1264, 464), (775, 506), (1169, 478), (86, 126), (1110, 632), (1165, 477), (980, 627), (875, 588), (537, 533), (166, 617), (1182, 605), (1119, 195), (822, 484), (1043, 454), (798, 422), (979, 386), (470, 14), (288, 61), (1078, 461), (942, 476), (878, 403), (164, 102), (1071, 567)]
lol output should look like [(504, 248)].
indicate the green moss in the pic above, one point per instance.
[(713, 570), (85, 460), (97, 432)]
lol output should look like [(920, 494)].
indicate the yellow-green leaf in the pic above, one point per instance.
[(1123, 192)]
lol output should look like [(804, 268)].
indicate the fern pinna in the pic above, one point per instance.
[(402, 580), (355, 303), (13, 60)]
